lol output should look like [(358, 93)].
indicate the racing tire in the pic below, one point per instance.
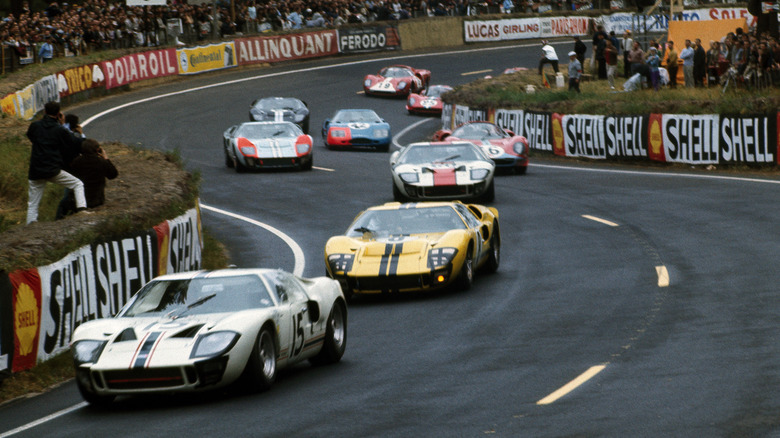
[(335, 337), (383, 148), (494, 257), (240, 168), (490, 193), (261, 367), (521, 170), (308, 165), (397, 195), (466, 275), (228, 161), (95, 400)]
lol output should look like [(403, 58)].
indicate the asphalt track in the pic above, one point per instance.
[(628, 302)]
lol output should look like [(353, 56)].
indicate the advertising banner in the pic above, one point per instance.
[(368, 39), (559, 148), (26, 293), (286, 47), (206, 58), (78, 79), (502, 30), (655, 138), (139, 67), (748, 139), (691, 139), (583, 136), (533, 125), (564, 26), (184, 242), (626, 136), (8, 104)]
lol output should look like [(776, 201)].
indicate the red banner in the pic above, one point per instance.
[(26, 287), (139, 67), (559, 148), (287, 47), (655, 138), (78, 79)]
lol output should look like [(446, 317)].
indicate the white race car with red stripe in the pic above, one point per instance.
[(442, 171), (201, 330), (260, 145)]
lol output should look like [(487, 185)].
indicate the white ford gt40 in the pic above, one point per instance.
[(200, 330)]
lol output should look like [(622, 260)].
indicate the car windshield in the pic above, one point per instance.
[(478, 131), (437, 90), (269, 130), (285, 103), (423, 154), (199, 296), (354, 116), (396, 72), (420, 220)]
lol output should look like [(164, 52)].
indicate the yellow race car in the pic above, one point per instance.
[(414, 247)]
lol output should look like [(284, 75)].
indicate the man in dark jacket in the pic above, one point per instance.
[(50, 142), (699, 64), (93, 167)]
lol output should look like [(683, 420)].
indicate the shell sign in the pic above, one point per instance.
[(27, 317)]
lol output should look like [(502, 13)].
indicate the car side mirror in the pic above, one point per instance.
[(394, 157)]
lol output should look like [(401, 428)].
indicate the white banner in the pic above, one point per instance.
[(747, 140), (185, 244), (583, 136), (535, 127), (502, 30), (691, 139), (625, 136)]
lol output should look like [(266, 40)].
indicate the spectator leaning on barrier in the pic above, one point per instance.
[(46, 52)]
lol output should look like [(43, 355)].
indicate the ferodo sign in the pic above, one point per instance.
[(369, 39)]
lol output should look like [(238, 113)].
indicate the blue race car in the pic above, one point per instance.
[(356, 128)]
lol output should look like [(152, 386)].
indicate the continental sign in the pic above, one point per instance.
[(702, 139), (94, 281), (287, 47), (206, 58)]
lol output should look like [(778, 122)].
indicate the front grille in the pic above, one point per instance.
[(273, 162), (392, 283), (445, 191), (144, 378), (362, 141)]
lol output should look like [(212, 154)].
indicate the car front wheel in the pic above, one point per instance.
[(261, 368), (335, 337), (466, 275)]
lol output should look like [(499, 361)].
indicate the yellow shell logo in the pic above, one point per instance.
[(656, 139), (26, 320), (557, 134)]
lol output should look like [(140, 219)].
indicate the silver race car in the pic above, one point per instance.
[(200, 330), (258, 145), (442, 171)]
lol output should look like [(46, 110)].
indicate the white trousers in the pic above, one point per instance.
[(35, 193)]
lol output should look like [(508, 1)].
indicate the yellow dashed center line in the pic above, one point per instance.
[(571, 386)]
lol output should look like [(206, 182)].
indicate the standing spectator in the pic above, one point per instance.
[(687, 56), (509, 6), (580, 48), (575, 72), (636, 57), (671, 64), (628, 44), (93, 168), (597, 35), (699, 64), (46, 52), (50, 141), (601, 44), (611, 57), (654, 62), (67, 204), (548, 57)]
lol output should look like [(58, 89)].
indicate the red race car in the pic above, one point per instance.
[(396, 80), (507, 150), (427, 101)]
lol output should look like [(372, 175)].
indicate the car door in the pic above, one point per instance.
[(295, 327), (474, 225)]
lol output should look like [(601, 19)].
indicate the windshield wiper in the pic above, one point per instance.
[(182, 310), (450, 158), (365, 230)]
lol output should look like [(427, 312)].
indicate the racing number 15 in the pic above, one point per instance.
[(297, 320)]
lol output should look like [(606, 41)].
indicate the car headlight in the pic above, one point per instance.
[(367, 83), (519, 148), (214, 344), (381, 133), (340, 262), (409, 177), (302, 148), (411, 101), (439, 257), (401, 85), (338, 133), (248, 151), (479, 174), (87, 351)]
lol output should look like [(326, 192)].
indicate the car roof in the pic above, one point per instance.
[(413, 205), (217, 273)]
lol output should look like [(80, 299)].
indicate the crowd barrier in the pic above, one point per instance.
[(40, 307)]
